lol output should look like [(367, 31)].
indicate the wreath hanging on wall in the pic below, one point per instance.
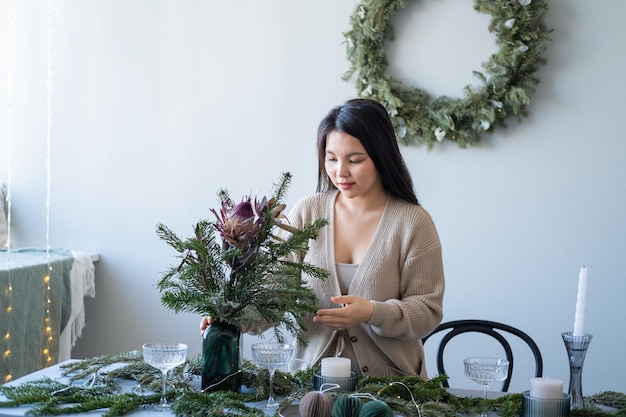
[(507, 79)]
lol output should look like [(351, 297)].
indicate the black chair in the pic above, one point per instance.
[(490, 328)]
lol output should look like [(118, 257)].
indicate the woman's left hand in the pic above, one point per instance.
[(355, 310), (209, 320)]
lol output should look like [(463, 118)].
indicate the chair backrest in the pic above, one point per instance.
[(490, 328)]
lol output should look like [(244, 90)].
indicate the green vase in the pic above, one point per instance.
[(221, 358)]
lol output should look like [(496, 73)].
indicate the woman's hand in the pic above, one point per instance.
[(204, 323), (355, 310)]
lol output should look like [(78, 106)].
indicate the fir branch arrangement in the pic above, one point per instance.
[(507, 78), (51, 397), (239, 270)]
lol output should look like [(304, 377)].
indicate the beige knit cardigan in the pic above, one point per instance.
[(402, 274)]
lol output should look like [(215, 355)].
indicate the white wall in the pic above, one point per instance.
[(157, 104)]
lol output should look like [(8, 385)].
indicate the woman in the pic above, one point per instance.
[(386, 283)]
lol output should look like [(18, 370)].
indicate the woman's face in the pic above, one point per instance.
[(349, 166)]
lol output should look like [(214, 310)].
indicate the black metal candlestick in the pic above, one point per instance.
[(576, 350)]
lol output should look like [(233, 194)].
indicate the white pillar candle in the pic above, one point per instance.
[(579, 317), (336, 367), (546, 388)]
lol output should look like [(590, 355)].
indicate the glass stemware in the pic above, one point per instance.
[(164, 356), (272, 356), (484, 371)]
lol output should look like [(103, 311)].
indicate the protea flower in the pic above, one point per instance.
[(238, 229), (278, 217)]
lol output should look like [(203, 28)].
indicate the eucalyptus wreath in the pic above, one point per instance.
[(506, 80)]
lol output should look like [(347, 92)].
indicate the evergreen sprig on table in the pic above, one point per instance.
[(404, 395)]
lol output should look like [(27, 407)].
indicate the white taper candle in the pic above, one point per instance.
[(579, 318)]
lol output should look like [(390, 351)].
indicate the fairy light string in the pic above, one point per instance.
[(49, 336), (6, 355), (47, 354), (417, 407)]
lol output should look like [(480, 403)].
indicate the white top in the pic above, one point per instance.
[(345, 273)]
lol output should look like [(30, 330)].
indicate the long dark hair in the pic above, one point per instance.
[(369, 122)]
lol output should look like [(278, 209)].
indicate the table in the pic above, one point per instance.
[(55, 373), (40, 318)]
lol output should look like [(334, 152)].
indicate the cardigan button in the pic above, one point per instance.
[(364, 369), (353, 339)]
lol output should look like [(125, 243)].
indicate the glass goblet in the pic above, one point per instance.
[(164, 356), (272, 356), (484, 371)]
